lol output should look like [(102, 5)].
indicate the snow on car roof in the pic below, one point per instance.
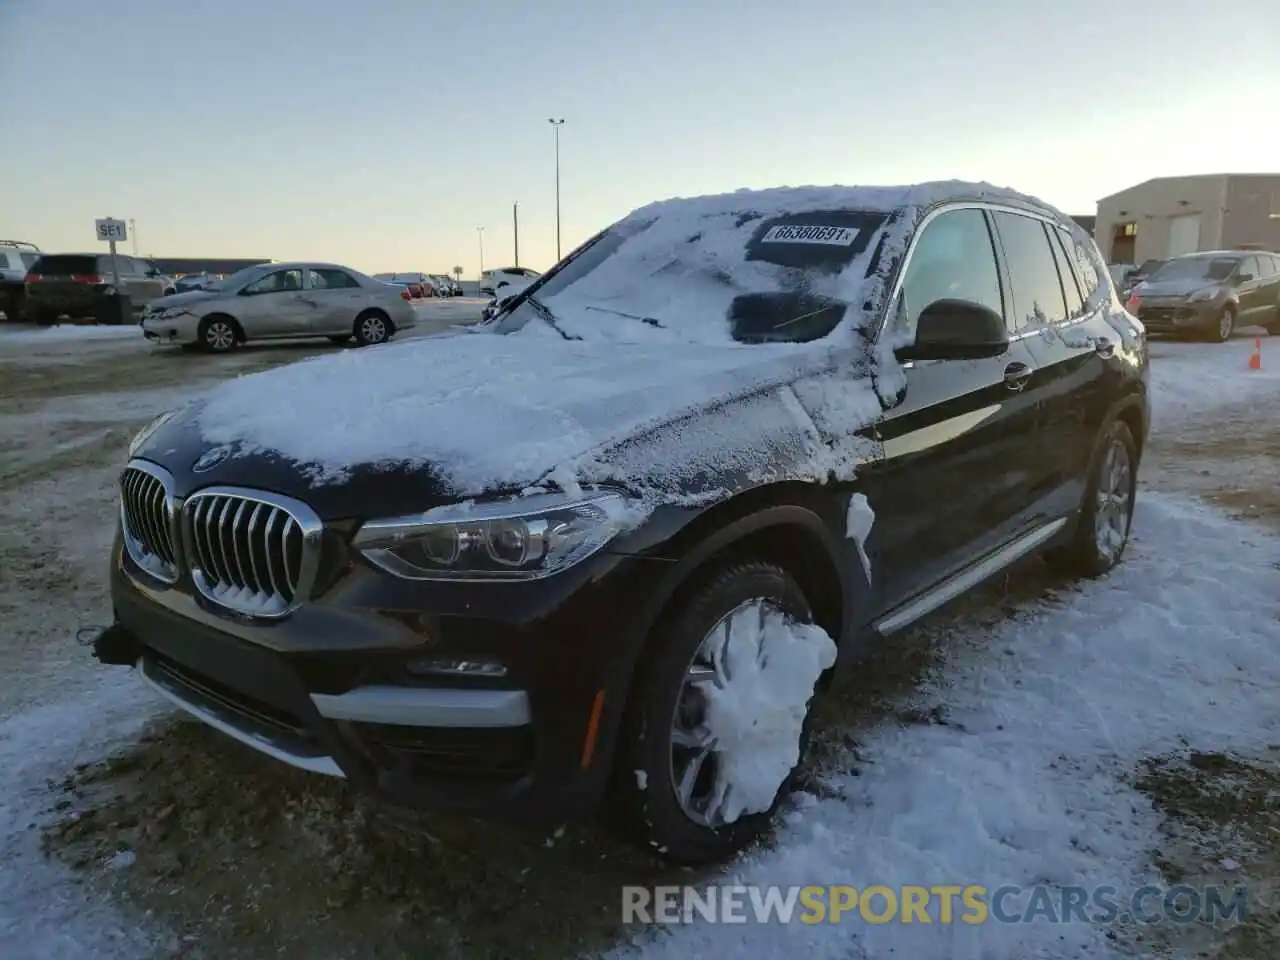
[(689, 266)]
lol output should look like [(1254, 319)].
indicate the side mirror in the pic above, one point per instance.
[(957, 330)]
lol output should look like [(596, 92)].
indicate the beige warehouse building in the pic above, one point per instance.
[(1169, 216)]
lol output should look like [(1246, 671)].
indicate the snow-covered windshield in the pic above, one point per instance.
[(710, 273), (1196, 268)]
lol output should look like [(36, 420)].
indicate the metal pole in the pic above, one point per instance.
[(133, 234), (555, 128), (480, 234), (515, 224)]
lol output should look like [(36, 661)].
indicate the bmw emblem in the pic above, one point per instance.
[(210, 459)]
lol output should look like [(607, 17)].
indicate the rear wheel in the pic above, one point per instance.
[(218, 334), (702, 767), (1106, 516), (372, 327)]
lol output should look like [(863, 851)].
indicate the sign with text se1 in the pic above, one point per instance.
[(111, 230)]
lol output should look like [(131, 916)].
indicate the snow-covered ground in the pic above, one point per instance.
[(1042, 702), (1190, 379), (1025, 781)]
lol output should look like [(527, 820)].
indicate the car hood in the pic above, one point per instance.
[(181, 299), (409, 425), (1173, 288)]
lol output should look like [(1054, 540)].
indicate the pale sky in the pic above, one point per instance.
[(382, 133)]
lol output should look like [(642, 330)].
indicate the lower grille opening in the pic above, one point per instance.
[(488, 754), (264, 720)]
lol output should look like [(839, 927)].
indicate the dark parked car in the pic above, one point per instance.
[(1208, 295), (80, 285), (613, 547)]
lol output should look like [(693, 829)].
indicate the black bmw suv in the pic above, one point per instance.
[(612, 543)]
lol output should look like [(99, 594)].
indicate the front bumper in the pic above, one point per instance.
[(325, 690), (1179, 316), (173, 330)]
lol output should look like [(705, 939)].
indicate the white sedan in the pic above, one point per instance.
[(275, 301)]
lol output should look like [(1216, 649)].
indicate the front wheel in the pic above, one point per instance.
[(717, 720), (1106, 516), (217, 334), (1225, 327), (372, 327)]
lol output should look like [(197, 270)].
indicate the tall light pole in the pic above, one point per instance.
[(515, 227), (480, 234), (555, 132), (133, 232)]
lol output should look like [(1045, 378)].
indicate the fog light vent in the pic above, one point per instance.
[(456, 668)]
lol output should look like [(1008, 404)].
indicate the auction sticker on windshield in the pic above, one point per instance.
[(810, 233)]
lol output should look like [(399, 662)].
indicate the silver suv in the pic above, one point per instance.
[(16, 258)]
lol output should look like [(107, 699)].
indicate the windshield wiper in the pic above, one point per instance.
[(547, 316), (630, 316)]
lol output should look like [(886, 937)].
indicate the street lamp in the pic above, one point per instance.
[(480, 234), (555, 132)]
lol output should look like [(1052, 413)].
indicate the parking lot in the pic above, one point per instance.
[(973, 746)]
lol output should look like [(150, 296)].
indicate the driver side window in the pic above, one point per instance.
[(953, 259), (276, 282)]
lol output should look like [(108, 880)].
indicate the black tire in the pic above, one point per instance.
[(1226, 326), (219, 333), (1086, 555), (339, 341), (649, 813), (12, 302), (371, 328)]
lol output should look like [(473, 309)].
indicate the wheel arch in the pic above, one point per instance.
[(792, 524)]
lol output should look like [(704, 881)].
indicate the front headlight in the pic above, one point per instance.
[(522, 539), (148, 431), (1204, 293)]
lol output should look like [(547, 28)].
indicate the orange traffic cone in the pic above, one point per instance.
[(1255, 358)]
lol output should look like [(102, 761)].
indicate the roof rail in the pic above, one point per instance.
[(20, 244)]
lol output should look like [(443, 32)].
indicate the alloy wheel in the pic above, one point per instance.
[(698, 777), (1226, 325), (1113, 508), (373, 329), (220, 336)]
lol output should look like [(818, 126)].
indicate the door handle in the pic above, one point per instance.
[(1016, 376)]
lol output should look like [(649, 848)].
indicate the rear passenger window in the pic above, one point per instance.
[(332, 280), (1033, 272), (953, 259), (1069, 285), (1266, 267)]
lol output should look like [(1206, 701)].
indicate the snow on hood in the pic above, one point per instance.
[(484, 411), (637, 327)]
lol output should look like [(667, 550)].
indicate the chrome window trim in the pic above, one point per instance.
[(947, 206)]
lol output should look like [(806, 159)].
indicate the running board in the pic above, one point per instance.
[(966, 579)]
